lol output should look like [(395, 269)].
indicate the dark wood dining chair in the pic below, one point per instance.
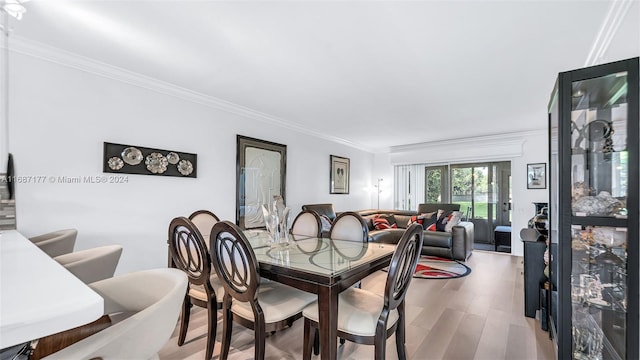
[(190, 254), (204, 221), (307, 223), (349, 226), (368, 318), (261, 306)]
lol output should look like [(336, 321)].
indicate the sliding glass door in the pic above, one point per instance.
[(483, 191)]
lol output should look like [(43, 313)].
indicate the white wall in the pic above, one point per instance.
[(60, 117), (521, 149), (534, 150)]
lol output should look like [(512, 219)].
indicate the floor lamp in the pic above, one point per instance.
[(379, 191)]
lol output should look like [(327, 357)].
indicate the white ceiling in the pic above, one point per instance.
[(373, 74)]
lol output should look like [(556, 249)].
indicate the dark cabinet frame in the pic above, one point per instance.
[(561, 260)]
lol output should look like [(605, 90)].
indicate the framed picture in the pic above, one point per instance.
[(537, 176), (339, 175), (261, 171)]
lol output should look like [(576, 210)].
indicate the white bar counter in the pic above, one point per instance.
[(39, 297)]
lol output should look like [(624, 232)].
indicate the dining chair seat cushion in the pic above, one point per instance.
[(198, 292), (278, 302), (358, 312)]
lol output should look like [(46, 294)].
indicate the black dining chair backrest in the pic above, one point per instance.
[(349, 226), (307, 223), (204, 221), (188, 250), (234, 261), (403, 264), (274, 306), (190, 254)]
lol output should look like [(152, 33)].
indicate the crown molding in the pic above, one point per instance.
[(617, 11), (489, 147), (485, 141), (58, 56)]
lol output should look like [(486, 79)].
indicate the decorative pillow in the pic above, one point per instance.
[(425, 219), (454, 220), (382, 221), (447, 220), (326, 223)]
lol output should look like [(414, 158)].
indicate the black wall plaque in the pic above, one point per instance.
[(129, 159)]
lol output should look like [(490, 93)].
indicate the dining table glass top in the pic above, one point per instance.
[(323, 256)]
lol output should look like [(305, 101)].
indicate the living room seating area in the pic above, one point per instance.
[(456, 244)]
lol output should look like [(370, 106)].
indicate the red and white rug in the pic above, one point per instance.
[(433, 267)]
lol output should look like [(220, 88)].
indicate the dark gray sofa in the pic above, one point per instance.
[(458, 244)]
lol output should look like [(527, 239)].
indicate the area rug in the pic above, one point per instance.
[(433, 267)]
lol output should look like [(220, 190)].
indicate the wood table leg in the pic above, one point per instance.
[(328, 321)]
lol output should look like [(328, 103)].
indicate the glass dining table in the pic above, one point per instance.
[(321, 266)]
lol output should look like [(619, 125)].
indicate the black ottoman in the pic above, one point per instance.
[(502, 236)]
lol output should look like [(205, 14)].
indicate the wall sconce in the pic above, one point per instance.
[(379, 191)]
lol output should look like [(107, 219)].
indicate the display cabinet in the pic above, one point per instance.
[(594, 181)]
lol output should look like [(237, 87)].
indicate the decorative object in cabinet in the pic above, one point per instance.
[(541, 218)]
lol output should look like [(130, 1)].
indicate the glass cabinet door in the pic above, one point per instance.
[(594, 179), (599, 184)]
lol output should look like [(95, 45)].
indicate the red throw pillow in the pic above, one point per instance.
[(382, 221)]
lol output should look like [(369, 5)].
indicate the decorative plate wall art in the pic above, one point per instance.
[(185, 167), (156, 163), (128, 159)]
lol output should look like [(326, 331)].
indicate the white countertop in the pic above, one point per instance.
[(39, 297)]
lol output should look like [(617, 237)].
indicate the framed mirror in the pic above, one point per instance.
[(261, 170)]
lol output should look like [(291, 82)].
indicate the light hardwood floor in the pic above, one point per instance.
[(480, 316)]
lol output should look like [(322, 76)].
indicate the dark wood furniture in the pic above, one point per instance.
[(349, 226), (320, 268), (391, 310), (502, 237), (204, 221), (56, 342), (263, 307), (307, 223), (534, 248), (190, 254)]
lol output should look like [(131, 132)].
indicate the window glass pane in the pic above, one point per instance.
[(481, 192), (462, 187), (433, 185)]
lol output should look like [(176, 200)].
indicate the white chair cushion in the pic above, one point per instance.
[(197, 291), (278, 302), (204, 222), (358, 312), (305, 224), (347, 228)]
